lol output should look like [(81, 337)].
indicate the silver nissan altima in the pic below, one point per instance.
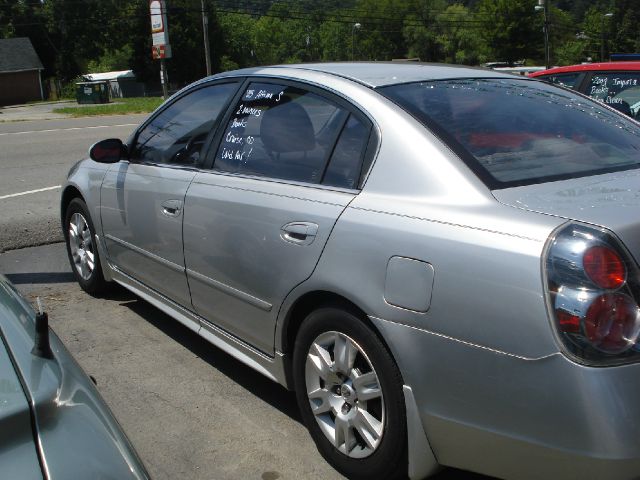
[(441, 261)]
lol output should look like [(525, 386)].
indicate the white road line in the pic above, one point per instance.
[(66, 129), (28, 192)]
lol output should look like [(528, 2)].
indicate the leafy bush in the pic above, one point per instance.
[(69, 89)]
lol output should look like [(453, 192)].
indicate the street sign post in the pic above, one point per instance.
[(161, 48)]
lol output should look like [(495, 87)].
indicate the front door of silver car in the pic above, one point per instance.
[(142, 200), (288, 161)]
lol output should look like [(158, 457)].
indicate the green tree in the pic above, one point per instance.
[(595, 28), (280, 40), (236, 40), (511, 29), (335, 41), (380, 34), (623, 30), (458, 36), (421, 30), (565, 42), (73, 30), (570, 52), (113, 60)]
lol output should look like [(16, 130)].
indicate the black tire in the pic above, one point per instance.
[(93, 283), (389, 459)]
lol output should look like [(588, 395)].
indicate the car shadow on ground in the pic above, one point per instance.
[(276, 395), (40, 277)]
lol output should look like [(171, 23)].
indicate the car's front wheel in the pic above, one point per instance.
[(349, 392), (81, 247)]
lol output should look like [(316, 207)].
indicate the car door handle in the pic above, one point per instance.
[(171, 208), (299, 233)]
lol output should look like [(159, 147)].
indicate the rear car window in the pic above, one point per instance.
[(285, 132), (520, 132), (345, 164)]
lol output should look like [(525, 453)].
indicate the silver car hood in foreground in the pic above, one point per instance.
[(611, 201)]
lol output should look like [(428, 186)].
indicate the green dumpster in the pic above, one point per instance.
[(92, 92)]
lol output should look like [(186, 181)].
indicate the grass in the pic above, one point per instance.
[(121, 106)]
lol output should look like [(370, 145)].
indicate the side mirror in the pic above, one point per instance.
[(110, 150)]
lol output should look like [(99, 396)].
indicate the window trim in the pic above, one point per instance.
[(324, 93), (207, 143)]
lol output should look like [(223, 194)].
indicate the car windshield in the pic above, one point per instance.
[(520, 132)]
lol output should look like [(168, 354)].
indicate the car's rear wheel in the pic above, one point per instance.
[(349, 391), (81, 248)]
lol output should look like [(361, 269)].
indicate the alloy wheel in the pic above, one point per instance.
[(345, 394), (81, 246)]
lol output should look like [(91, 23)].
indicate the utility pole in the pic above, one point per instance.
[(603, 35), (543, 5), (164, 78), (205, 32), (547, 53), (353, 38)]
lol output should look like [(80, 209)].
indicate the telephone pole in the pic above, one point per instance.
[(543, 6), (164, 78), (205, 32), (603, 34), (547, 54)]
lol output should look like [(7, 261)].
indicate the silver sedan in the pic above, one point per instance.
[(440, 261)]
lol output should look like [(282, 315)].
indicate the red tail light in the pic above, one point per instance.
[(593, 290), (611, 323), (604, 267)]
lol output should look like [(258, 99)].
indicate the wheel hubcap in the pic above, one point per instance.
[(344, 394), (81, 246)]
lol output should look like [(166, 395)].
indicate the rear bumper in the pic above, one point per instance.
[(513, 417)]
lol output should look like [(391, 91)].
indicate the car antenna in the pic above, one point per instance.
[(41, 347)]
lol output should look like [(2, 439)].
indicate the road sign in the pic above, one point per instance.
[(159, 29), (159, 52)]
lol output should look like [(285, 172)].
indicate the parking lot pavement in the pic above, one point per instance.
[(191, 411)]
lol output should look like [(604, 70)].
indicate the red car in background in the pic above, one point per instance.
[(615, 83)]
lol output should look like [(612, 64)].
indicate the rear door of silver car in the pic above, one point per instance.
[(288, 160), (142, 200)]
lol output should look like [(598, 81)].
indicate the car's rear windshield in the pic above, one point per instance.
[(520, 132)]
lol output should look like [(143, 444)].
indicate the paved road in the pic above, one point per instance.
[(37, 155), (192, 411)]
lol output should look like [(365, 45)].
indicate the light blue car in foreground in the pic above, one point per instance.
[(53, 423)]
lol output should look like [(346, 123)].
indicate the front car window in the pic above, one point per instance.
[(178, 133), (520, 132)]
